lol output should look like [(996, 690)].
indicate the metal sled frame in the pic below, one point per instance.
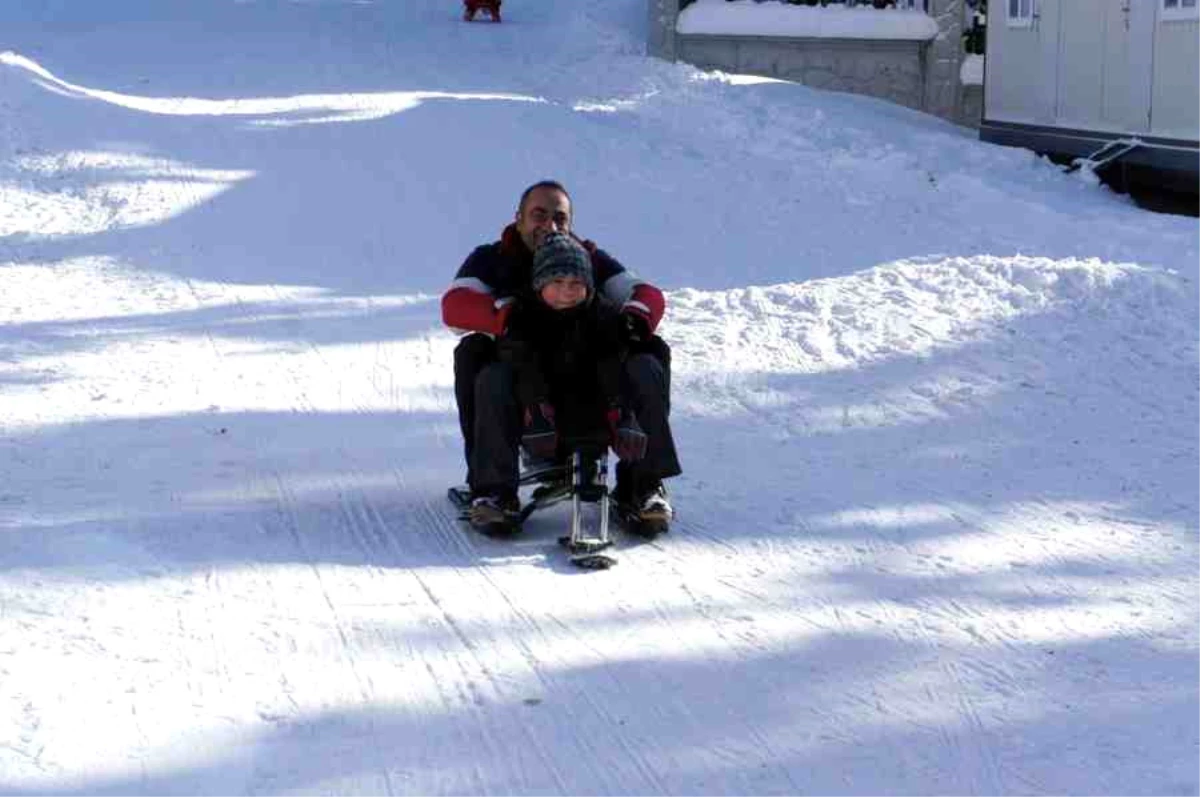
[(583, 478)]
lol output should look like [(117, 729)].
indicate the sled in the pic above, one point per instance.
[(582, 479)]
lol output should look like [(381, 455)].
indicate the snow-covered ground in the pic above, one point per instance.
[(936, 404)]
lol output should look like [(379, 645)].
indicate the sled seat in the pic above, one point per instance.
[(573, 469)]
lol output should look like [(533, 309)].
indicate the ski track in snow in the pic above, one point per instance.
[(936, 534)]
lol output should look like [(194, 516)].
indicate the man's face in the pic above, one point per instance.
[(546, 210)]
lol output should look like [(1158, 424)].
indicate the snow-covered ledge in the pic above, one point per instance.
[(910, 57), (747, 18)]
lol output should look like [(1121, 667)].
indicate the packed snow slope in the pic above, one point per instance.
[(936, 404)]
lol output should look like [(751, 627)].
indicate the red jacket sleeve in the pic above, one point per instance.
[(648, 302), (626, 289), (469, 304), (473, 311)]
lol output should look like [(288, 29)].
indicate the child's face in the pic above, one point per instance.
[(563, 293)]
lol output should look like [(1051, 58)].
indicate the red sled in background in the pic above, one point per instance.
[(472, 7)]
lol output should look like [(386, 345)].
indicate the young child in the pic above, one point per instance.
[(566, 349)]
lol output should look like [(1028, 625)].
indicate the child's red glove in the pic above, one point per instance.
[(627, 438)]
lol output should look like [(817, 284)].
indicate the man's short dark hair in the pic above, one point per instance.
[(554, 184)]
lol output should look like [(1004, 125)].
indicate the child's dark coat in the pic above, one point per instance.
[(570, 358)]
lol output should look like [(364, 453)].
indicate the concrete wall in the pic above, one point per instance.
[(920, 75), (890, 70), (970, 106)]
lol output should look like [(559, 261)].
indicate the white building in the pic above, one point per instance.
[(1067, 77)]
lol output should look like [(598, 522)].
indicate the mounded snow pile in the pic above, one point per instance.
[(919, 341), (911, 308)]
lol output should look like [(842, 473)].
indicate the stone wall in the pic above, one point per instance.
[(920, 75), (943, 58), (661, 16)]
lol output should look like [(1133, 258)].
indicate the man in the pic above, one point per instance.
[(479, 302), (472, 7)]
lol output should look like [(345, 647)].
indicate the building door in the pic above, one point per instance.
[(1105, 64), (1129, 75), (1023, 61)]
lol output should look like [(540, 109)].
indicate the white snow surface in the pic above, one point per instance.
[(936, 404), (751, 18)]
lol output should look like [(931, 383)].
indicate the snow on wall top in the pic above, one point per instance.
[(747, 18)]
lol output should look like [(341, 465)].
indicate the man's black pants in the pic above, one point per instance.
[(490, 417)]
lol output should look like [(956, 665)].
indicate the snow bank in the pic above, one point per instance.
[(746, 18), (912, 308)]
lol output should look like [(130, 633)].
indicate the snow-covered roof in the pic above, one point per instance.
[(748, 18)]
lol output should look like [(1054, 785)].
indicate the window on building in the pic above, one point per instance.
[(1020, 13), (1180, 9)]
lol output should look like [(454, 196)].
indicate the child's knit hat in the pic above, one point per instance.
[(561, 255)]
